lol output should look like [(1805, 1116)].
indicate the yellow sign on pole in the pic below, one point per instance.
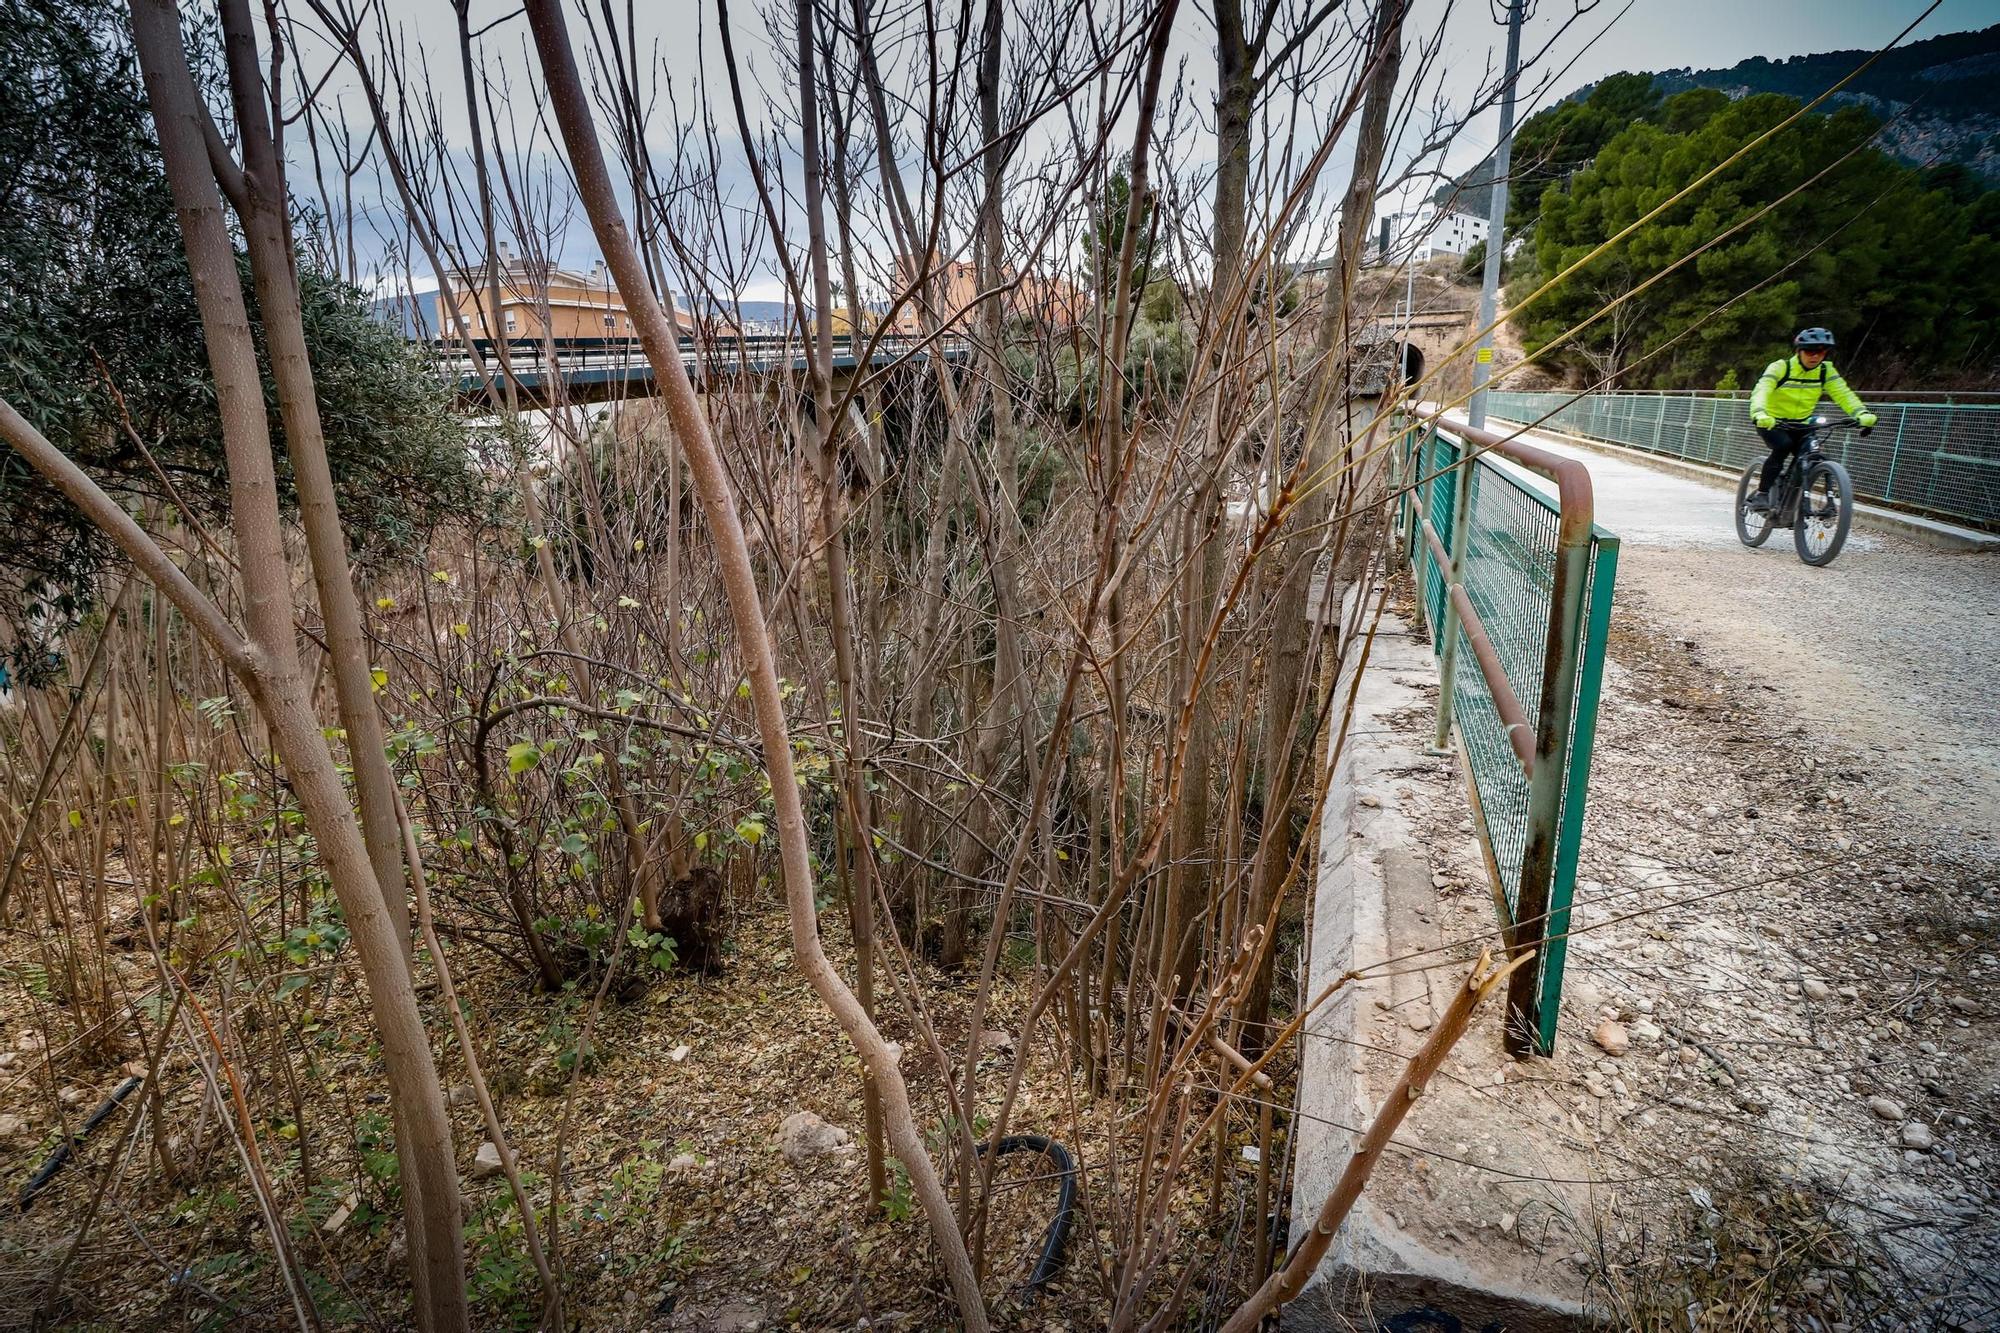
[(1484, 356)]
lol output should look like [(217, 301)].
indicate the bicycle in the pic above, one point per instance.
[(1814, 498)]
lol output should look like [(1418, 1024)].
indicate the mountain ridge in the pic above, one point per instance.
[(1938, 99)]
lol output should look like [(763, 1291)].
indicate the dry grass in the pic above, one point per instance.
[(732, 1229)]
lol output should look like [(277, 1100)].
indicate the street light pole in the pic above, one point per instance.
[(1496, 220), (1482, 365)]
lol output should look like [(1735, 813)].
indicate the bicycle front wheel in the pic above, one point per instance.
[(1826, 512), (1751, 529)]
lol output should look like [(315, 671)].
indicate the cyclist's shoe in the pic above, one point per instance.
[(1760, 503)]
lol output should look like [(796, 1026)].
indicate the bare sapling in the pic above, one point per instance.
[(571, 106), (1303, 1261), (267, 660)]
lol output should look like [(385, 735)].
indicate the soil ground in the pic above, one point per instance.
[(679, 1209)]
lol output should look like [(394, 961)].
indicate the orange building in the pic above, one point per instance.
[(1050, 301), (955, 282), (843, 321), (577, 311)]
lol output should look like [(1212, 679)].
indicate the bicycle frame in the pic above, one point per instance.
[(1791, 487)]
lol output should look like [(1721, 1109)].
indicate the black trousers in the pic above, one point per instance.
[(1784, 441)]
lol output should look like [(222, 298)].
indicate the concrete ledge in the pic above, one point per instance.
[(1929, 531), (1432, 1243)]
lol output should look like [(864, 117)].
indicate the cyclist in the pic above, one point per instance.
[(1786, 395)]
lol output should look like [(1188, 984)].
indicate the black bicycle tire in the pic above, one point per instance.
[(1049, 1260), (1846, 487), (1745, 488)]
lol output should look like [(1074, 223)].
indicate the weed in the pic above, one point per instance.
[(899, 1204)]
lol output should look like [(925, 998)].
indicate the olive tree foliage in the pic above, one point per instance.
[(100, 341)]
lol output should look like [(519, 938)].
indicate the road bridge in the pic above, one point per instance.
[(601, 375)]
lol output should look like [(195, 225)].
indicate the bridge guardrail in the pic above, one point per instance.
[(1522, 583), (1939, 457), (595, 373)]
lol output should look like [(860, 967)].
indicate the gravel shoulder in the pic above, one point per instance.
[(1778, 1051)]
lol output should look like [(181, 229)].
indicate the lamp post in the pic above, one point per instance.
[(1496, 220)]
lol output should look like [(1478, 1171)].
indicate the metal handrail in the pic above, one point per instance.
[(593, 368), (1963, 397), (1543, 764), (1575, 499), (1520, 733), (1932, 455)]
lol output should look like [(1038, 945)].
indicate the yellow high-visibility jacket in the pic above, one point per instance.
[(1790, 392)]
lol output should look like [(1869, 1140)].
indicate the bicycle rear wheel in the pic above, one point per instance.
[(1751, 529), (1826, 512)]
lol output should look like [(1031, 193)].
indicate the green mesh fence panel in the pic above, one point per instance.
[(1511, 538), (1940, 458), (1510, 550), (1440, 454)]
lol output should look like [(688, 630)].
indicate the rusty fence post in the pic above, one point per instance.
[(1546, 761), (1545, 790)]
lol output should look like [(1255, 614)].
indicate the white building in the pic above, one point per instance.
[(1415, 237), (1449, 234)]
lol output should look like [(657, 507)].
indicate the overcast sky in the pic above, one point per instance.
[(1613, 35)]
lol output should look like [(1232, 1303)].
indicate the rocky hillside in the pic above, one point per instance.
[(1938, 99)]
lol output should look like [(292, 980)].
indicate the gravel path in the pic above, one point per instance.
[(1892, 651)]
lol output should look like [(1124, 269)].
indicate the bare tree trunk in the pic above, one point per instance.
[(1286, 761), (260, 199), (1235, 95), (840, 615), (1193, 847), (923, 682), (270, 666), (571, 107)]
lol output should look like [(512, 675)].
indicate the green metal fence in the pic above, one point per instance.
[(1515, 584), (1938, 457)]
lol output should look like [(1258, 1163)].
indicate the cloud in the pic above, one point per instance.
[(381, 285), (770, 289)]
